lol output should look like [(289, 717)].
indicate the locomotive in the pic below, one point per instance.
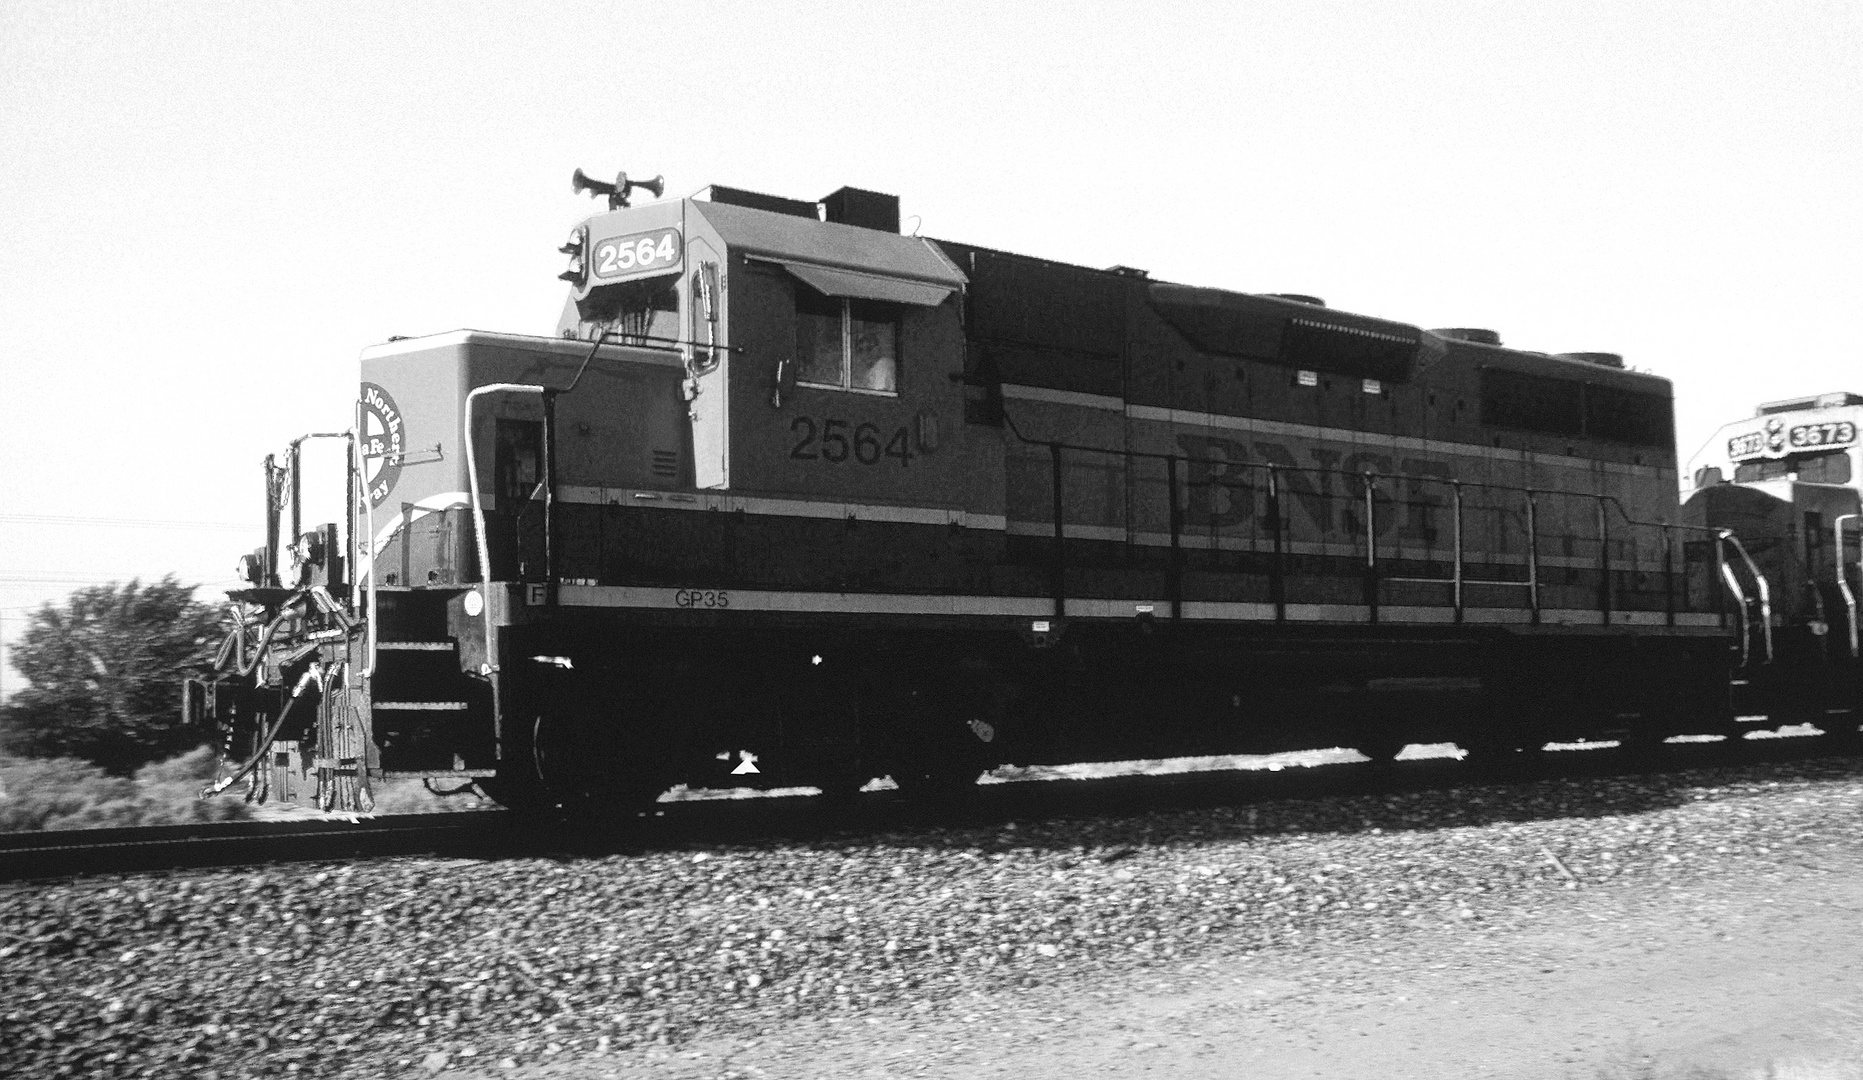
[(1787, 481), (791, 498)]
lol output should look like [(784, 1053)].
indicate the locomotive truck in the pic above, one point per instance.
[(792, 498)]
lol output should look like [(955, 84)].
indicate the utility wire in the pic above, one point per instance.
[(126, 523), (82, 579)]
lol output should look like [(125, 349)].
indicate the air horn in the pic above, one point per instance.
[(618, 191)]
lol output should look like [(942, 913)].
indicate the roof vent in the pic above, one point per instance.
[(1602, 359), (1128, 271), (1470, 333), (1821, 401), (757, 200), (1298, 298), (867, 209)]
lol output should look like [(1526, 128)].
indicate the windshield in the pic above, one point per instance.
[(640, 312), (1829, 467)]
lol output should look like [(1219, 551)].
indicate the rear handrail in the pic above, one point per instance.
[(1762, 591), (1732, 581), (1843, 580)]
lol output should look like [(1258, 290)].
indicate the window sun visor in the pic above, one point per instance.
[(858, 286)]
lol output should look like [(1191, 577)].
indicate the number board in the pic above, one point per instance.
[(1835, 433), (1777, 440), (638, 253), (1752, 444)]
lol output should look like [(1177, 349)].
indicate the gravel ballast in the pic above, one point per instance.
[(395, 966)]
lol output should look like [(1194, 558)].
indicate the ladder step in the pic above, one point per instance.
[(438, 706), (416, 646)]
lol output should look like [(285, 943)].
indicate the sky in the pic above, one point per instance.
[(207, 210)]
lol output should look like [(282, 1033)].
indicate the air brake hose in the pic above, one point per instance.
[(265, 747), (244, 667), (271, 735)]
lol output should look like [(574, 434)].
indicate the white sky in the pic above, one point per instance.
[(209, 209)]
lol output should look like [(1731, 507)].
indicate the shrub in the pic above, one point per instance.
[(64, 793), (105, 669)]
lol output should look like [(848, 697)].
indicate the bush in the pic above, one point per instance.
[(64, 793), (105, 670)]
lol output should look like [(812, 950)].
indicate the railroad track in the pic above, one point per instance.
[(92, 851), (495, 834)]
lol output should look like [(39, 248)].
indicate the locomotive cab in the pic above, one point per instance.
[(819, 350), (1787, 482)]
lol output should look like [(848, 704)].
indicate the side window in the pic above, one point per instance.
[(818, 339), (846, 344), (873, 346)]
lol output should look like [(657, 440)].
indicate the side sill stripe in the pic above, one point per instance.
[(1033, 607)]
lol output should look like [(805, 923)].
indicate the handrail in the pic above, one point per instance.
[(483, 547), (1458, 578), (1843, 580), (480, 543), (1761, 589), (1456, 488), (352, 473), (297, 508), (1732, 582), (1271, 468), (368, 526)]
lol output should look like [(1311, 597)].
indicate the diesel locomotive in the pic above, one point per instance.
[(791, 498)]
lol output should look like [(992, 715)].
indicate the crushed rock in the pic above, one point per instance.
[(414, 966)]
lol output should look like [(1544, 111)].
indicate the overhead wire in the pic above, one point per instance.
[(116, 522)]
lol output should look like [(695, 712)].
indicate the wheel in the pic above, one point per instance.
[(519, 792), (929, 750), (1643, 743), (935, 778), (1507, 757), (1381, 747), (1841, 731), (840, 786), (572, 762)]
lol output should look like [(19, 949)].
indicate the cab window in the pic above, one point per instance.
[(844, 344)]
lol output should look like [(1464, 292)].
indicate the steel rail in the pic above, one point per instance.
[(74, 852)]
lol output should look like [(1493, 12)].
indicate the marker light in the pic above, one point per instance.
[(573, 247)]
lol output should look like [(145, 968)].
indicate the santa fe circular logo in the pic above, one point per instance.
[(384, 441)]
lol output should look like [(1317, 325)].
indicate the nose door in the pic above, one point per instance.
[(517, 471)]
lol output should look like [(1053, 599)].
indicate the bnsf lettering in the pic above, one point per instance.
[(1228, 487)]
